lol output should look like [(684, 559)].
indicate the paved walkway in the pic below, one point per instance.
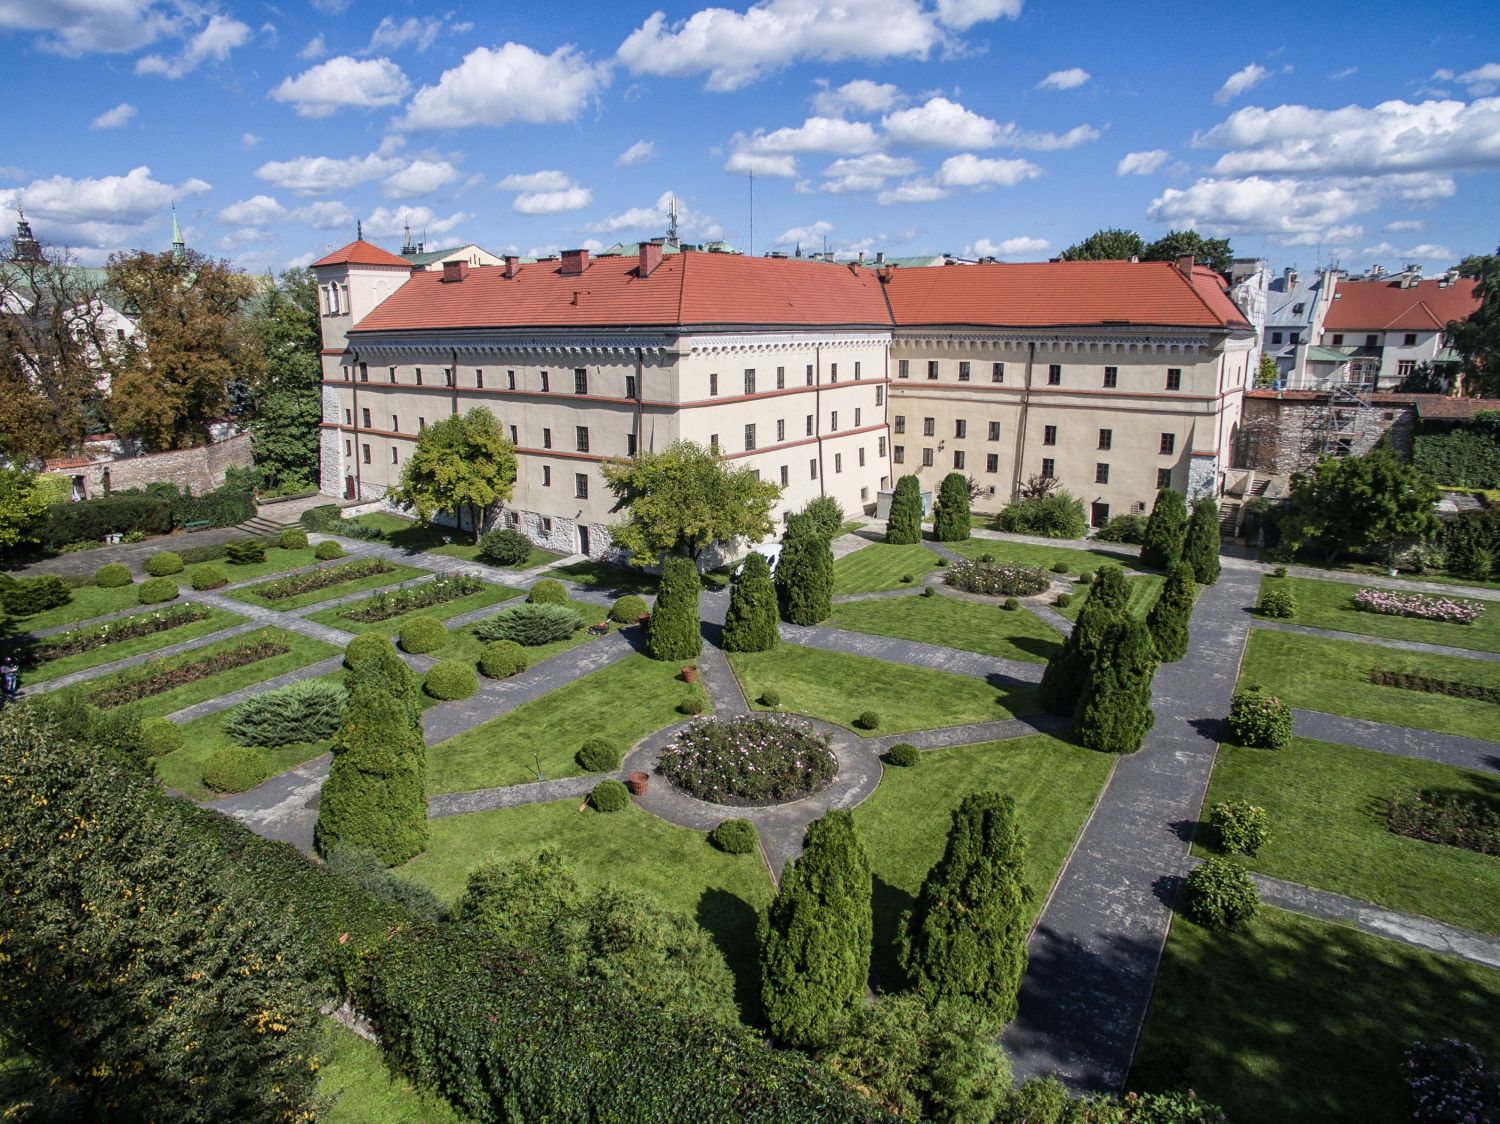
[(284, 807), (1097, 944), (1448, 749), (1378, 641)]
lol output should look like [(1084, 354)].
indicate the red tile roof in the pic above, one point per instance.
[(1059, 294), (1385, 306), (361, 252)]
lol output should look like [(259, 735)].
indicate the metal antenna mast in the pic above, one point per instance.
[(752, 215), (672, 219)]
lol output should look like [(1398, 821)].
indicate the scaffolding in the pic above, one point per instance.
[(1348, 416)]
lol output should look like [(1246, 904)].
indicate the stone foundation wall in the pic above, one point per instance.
[(1279, 436), (195, 470)]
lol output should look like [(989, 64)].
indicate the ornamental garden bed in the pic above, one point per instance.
[(1389, 603), (118, 631), (1330, 605), (487, 594), (750, 760), (997, 579), (336, 580), (203, 621), (1448, 818), (157, 679), (394, 603)]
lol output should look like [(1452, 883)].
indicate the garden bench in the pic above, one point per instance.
[(197, 525)]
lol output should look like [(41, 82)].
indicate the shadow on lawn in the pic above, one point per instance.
[(1036, 645), (732, 923), (888, 903)]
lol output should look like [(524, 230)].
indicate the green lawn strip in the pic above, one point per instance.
[(408, 534), (277, 561), (396, 575), (183, 768), (1327, 819), (1030, 554), (601, 575), (489, 595), (108, 653), (465, 645), (952, 623), (623, 702), (1144, 590), (881, 566), (1297, 1019), (1372, 570), (469, 552), (88, 602), (838, 688), (1331, 605), (353, 1076), (303, 650), (904, 825), (1333, 676)]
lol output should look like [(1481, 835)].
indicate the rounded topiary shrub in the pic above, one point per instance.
[(245, 552), (448, 680), (160, 736), (1063, 600), (928, 591), (548, 591), (1086, 578), (1239, 827), (693, 704), (293, 538), (164, 562), (904, 754), (907, 579), (868, 720), (1258, 720), (599, 755), (327, 549), (1059, 567), (364, 646), (1277, 602), (749, 759), (153, 591), (629, 609), (610, 796), (235, 768), (735, 837), (503, 658), (531, 625), (1219, 894), (1010, 604), (769, 697), (112, 575), (421, 635), (504, 547), (209, 576)]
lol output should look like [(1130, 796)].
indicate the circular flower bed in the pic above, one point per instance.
[(998, 580), (749, 760)]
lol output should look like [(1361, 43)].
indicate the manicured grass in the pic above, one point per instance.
[(1296, 1019), (947, 621), (1374, 570), (489, 595), (395, 576), (617, 580), (465, 645), (1029, 554), (408, 534), (838, 688), (183, 769), (303, 651), (363, 1091), (86, 603), (469, 552), (904, 825), (277, 561), (108, 653), (623, 702), (1327, 816), (1331, 605), (1333, 676), (880, 566), (1144, 590)]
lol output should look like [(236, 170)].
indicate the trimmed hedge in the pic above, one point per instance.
[(327, 550), (504, 547), (548, 591), (599, 755), (735, 837), (308, 711), (293, 538), (164, 563), (610, 796), (245, 552), (25, 596), (531, 625), (235, 768), (153, 591), (629, 609), (904, 522), (449, 680), (92, 520), (160, 736), (904, 755), (1218, 894), (1460, 454), (208, 576), (113, 575), (421, 635), (363, 646), (753, 622), (503, 658), (770, 697)]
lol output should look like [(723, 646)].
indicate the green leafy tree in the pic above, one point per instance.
[(804, 573), (1422, 380), (1062, 680), (1212, 252), (753, 621), (904, 523), (827, 515), (674, 632), (285, 402), (23, 506), (685, 499), (462, 465), (1359, 505), (1267, 373), (1107, 245), (1200, 550), (1169, 617), (139, 980), (815, 939), (964, 942), (1477, 337), (950, 522), (1114, 710), (1166, 530)]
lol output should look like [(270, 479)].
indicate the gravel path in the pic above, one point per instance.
[(1448, 749), (1378, 641)]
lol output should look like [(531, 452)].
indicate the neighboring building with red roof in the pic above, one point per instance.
[(1388, 327)]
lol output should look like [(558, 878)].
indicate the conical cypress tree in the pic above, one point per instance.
[(1110, 588), (1161, 543), (674, 632), (950, 523), (1062, 680), (1169, 617), (1202, 547), (815, 939), (1114, 712), (753, 621), (965, 940), (904, 524), (804, 574)]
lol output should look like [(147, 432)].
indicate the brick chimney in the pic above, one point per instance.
[(650, 258), (455, 271), (574, 262), (512, 266), (1185, 266)]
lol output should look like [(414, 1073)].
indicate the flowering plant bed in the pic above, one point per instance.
[(384, 606), (1416, 681), (1417, 605), (298, 584), (157, 679), (749, 760), (1453, 820), (1005, 580), (77, 640)]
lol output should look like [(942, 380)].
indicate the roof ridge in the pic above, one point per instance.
[(1188, 281)]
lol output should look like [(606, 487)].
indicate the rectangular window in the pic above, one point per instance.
[(809, 374), (880, 396), (1370, 341), (1406, 367), (812, 468), (580, 486), (713, 385), (786, 476), (510, 380), (749, 436), (1168, 444), (749, 380), (395, 425), (864, 495), (546, 438), (960, 428), (478, 379), (546, 476), (364, 372), (929, 427), (958, 458), (348, 373), (1410, 340), (1101, 474), (880, 447), (365, 449), (932, 368), (809, 425), (1049, 467), (394, 459), (447, 376), (348, 448), (1111, 377), (780, 429), (992, 462), (780, 378), (581, 432), (1163, 478), (963, 370), (419, 376), (1049, 435), (547, 522), (513, 440), (1174, 378), (994, 431), (997, 372), (861, 456), (1275, 337), (1106, 438), (421, 424), (1054, 374), (900, 423), (348, 417), (513, 518), (1338, 339), (545, 385), (927, 458), (856, 417), (1295, 338), (365, 416), (903, 368), (838, 462), (580, 380), (833, 372), (393, 374), (856, 370), (630, 444), (713, 441), (630, 387), (898, 454), (833, 421)]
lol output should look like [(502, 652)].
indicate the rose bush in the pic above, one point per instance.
[(749, 760)]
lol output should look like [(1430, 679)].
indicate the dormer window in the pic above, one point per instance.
[(1297, 309)]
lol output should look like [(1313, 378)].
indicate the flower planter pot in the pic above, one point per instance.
[(645, 620), (638, 783), (690, 675)]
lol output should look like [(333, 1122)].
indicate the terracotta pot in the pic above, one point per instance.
[(638, 783), (690, 675), (645, 620)]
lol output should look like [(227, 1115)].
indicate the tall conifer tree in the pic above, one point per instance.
[(1114, 712), (753, 622), (1062, 681), (1202, 548), (904, 524), (1166, 529), (950, 523), (1169, 617), (804, 573), (674, 632)]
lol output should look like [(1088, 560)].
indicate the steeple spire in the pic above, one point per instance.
[(179, 245), (25, 247)]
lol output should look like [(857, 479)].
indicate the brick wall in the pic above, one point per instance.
[(1281, 435), (197, 470)]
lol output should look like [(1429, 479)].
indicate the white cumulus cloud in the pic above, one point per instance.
[(638, 153), (104, 212), (385, 222), (512, 83), (325, 215), (1021, 247), (318, 175), (860, 95), (813, 232), (420, 177), (114, 118), (343, 82), (78, 27), (968, 170), (1482, 79), (392, 34), (258, 210), (865, 173), (913, 191), (570, 198), (691, 223), (535, 181), (1141, 163), (942, 123), (1241, 81), (316, 48), (761, 164), (816, 134), (1069, 79), (213, 43)]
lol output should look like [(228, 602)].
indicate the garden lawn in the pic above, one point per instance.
[(1327, 819), (623, 702), (904, 825), (303, 650), (947, 621), (1333, 676), (183, 768), (363, 1091), (394, 576), (1296, 1019), (615, 580), (1030, 554), (335, 617), (277, 561), (88, 602), (1144, 590), (838, 688), (1331, 605), (881, 566), (408, 534), (1375, 570), (465, 645), (108, 653)]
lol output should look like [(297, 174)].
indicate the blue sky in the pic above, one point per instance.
[(1361, 133)]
